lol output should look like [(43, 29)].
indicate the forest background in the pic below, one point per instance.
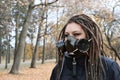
[(29, 28)]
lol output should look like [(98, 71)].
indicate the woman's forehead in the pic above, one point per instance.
[(73, 27)]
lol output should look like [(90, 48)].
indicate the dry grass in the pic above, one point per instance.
[(42, 72)]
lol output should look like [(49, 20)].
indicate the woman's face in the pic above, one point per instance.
[(75, 30)]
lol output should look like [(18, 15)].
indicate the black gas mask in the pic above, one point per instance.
[(73, 46)]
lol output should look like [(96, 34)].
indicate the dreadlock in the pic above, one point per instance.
[(94, 66)]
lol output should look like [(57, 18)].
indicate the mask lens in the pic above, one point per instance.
[(83, 45)]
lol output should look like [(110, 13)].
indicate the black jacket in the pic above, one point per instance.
[(112, 70)]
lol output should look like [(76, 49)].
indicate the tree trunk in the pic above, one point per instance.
[(21, 44), (33, 62), (0, 49), (9, 49), (0, 57), (0, 45), (6, 61), (43, 52), (24, 56)]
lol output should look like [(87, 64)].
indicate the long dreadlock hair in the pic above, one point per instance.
[(94, 67)]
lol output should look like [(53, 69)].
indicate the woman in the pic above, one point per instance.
[(79, 52)]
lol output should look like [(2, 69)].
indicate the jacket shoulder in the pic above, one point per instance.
[(54, 73), (113, 69)]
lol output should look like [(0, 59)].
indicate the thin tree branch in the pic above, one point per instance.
[(116, 38), (45, 3)]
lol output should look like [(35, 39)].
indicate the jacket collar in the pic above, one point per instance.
[(80, 60)]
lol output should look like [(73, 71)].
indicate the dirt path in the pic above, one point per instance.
[(42, 72)]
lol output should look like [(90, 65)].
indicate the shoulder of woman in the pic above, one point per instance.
[(54, 73), (55, 68), (109, 61), (113, 67)]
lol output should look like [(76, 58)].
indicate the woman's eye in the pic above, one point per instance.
[(77, 34)]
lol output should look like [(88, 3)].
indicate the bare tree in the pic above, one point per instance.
[(21, 44), (33, 62), (20, 48), (109, 34)]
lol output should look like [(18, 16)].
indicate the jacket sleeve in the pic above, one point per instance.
[(115, 68), (54, 73)]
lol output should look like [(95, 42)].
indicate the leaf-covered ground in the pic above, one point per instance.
[(42, 72)]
